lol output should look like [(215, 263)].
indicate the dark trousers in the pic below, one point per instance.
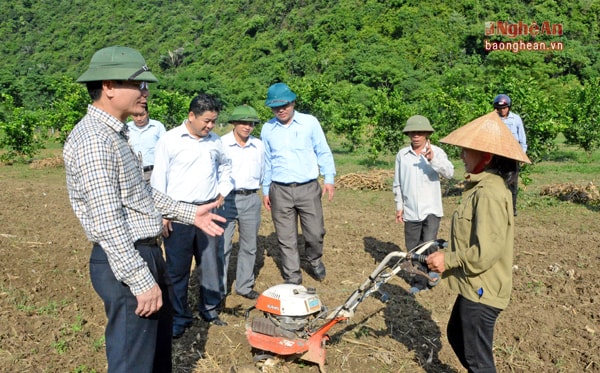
[(514, 190), (133, 343), (288, 203), (184, 243), (415, 233), (471, 334)]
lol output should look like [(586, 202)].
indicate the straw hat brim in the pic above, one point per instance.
[(487, 134)]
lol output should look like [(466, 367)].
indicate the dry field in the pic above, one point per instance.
[(52, 321)]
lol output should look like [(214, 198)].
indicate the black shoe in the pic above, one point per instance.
[(317, 272), (217, 322), (179, 331), (292, 282), (250, 295)]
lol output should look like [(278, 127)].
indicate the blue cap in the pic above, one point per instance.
[(279, 94)]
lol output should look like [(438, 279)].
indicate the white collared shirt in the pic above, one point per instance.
[(247, 162), (190, 169), (416, 186)]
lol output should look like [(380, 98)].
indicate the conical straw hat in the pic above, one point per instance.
[(487, 134)]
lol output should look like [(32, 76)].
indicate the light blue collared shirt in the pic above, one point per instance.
[(515, 124), (247, 162), (190, 169), (295, 153), (143, 139)]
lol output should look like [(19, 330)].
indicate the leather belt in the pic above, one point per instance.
[(203, 203), (245, 192), (150, 241), (293, 184), (148, 168)]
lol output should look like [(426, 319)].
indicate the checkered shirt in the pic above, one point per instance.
[(114, 204)]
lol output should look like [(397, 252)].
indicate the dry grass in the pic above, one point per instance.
[(382, 180), (53, 162), (373, 180), (584, 194)]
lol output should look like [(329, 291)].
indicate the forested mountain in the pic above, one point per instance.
[(362, 66)]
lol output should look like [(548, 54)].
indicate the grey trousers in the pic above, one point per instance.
[(243, 211), (288, 203)]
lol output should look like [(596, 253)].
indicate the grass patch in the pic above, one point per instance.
[(24, 303)]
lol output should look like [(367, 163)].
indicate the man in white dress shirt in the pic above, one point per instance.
[(242, 206), (190, 166)]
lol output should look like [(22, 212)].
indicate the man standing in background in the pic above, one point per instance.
[(242, 205), (190, 166), (143, 135), (295, 151), (418, 193), (502, 104)]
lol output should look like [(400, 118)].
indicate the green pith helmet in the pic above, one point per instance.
[(117, 63), (244, 113), (417, 123), (279, 94)]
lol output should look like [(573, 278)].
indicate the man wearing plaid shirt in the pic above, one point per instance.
[(122, 215)]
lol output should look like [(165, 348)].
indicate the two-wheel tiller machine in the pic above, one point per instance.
[(294, 322)]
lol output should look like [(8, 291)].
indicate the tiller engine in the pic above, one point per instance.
[(294, 322)]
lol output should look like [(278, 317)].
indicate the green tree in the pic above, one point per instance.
[(21, 136), (385, 134), (583, 113), (67, 108), (169, 108), (539, 112)]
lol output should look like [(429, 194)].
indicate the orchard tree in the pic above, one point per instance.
[(169, 108), (19, 126), (385, 132), (540, 113), (583, 113), (68, 107)]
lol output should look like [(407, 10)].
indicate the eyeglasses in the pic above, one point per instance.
[(142, 86)]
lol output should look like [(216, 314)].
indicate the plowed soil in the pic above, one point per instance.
[(52, 320)]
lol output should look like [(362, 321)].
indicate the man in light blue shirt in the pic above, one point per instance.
[(502, 104), (143, 135), (190, 166), (296, 151), (242, 205)]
